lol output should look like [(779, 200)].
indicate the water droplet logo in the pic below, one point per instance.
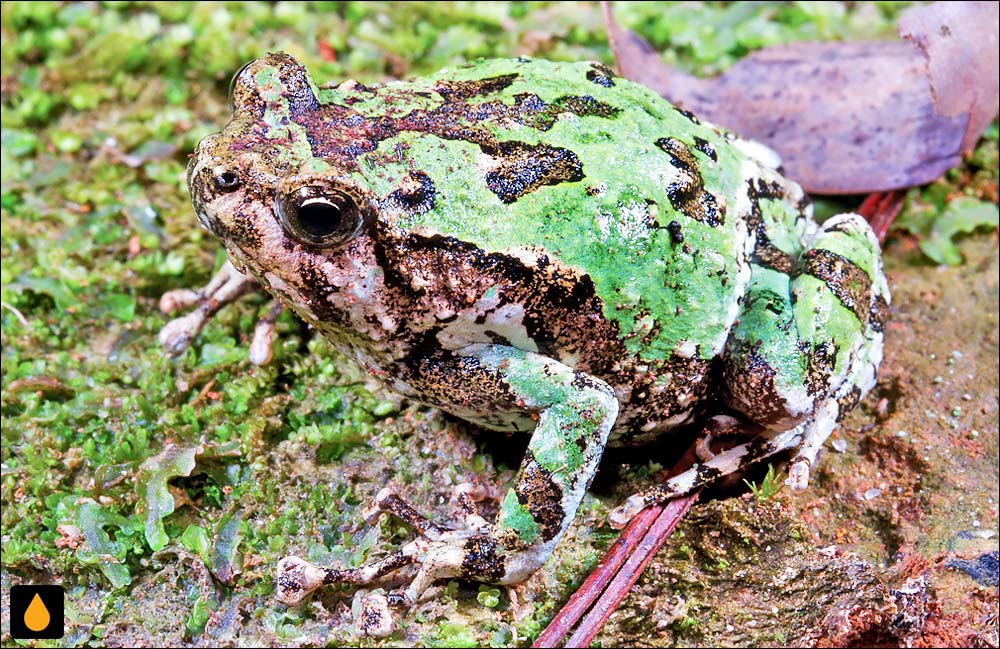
[(37, 616), (36, 612)]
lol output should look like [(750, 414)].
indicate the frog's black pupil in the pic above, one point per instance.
[(319, 218), (227, 180)]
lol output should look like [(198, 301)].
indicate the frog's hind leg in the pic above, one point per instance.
[(809, 337), (804, 352)]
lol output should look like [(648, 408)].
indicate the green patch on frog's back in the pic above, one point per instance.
[(592, 186)]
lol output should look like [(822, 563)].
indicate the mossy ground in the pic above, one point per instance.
[(162, 491)]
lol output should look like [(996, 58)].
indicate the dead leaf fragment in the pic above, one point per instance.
[(959, 40), (846, 118)]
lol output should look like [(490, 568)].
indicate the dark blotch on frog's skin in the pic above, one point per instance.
[(844, 278), (687, 193), (765, 253), (706, 147), (243, 231), (415, 195), (847, 402), (530, 110), (601, 75), (480, 560), (688, 114), (585, 106), (878, 314), (523, 168), (707, 474), (462, 90), (316, 290), (541, 495), (820, 362), (674, 228), (427, 367), (757, 393)]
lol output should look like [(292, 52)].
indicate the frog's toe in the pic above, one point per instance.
[(623, 513), (373, 616), (262, 343), (226, 286), (177, 300), (176, 335), (295, 578)]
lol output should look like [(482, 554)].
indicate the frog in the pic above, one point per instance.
[(539, 248)]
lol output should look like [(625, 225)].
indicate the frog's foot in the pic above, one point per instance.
[(296, 578), (722, 464), (226, 286)]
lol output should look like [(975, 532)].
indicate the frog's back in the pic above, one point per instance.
[(569, 163)]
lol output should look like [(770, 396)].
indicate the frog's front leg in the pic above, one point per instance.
[(573, 414), (227, 285)]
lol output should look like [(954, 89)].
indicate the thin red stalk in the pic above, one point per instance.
[(623, 581), (881, 209), (621, 551), (592, 586)]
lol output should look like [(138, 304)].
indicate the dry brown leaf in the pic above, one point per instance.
[(959, 40), (846, 118)]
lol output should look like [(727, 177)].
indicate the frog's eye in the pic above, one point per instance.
[(225, 180), (319, 216)]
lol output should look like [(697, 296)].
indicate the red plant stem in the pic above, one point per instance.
[(623, 581), (881, 209), (594, 584), (635, 535)]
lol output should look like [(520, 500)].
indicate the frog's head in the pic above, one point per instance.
[(296, 216), (260, 170)]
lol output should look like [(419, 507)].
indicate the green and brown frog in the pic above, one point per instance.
[(544, 248)]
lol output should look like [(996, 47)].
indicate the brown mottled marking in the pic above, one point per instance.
[(847, 402), (878, 313), (414, 195), (522, 168), (758, 397), (541, 495), (765, 253), (462, 90), (601, 74), (820, 360), (481, 561), (687, 192), (843, 277)]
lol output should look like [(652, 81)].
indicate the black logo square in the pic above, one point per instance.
[(36, 612)]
